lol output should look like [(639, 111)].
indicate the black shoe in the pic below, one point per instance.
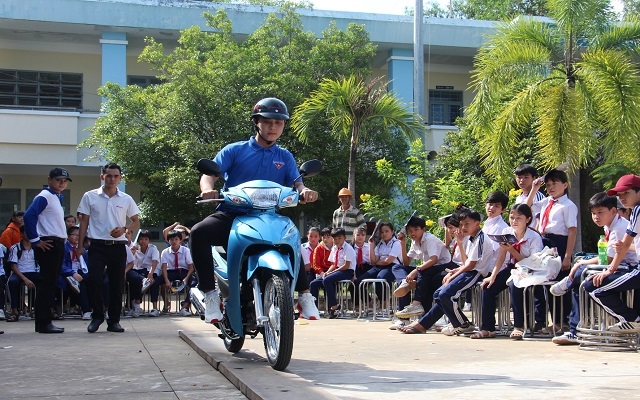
[(94, 325), (114, 327), (49, 328), (333, 313)]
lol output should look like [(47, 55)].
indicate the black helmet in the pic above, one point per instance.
[(272, 108)]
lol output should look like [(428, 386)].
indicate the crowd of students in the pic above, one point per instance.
[(443, 270), (147, 269)]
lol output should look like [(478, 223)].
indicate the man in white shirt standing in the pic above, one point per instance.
[(103, 219)]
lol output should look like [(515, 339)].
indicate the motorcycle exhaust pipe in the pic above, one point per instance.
[(261, 319)]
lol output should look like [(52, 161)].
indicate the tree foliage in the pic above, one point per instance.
[(210, 83), (348, 105), (491, 10), (573, 82)]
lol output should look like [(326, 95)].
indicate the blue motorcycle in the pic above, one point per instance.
[(257, 274)]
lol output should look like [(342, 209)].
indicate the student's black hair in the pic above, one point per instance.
[(71, 229), (314, 229), (524, 209), (555, 175), (111, 165), (70, 216), (498, 197), (452, 220), (338, 232), (469, 213), (524, 169), (416, 222), (172, 233), (325, 231), (145, 233), (603, 200), (389, 225)]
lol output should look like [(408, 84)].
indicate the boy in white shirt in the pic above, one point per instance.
[(604, 213), (433, 258), (177, 265), (477, 256), (605, 287), (343, 259)]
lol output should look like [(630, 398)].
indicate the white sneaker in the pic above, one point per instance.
[(567, 339), (2, 316), (412, 310), (560, 288), (212, 312), (443, 321), (87, 316), (404, 288), (154, 313), (449, 330), (399, 322), (146, 283), (134, 312), (184, 312), (75, 285), (624, 327), (467, 307), (308, 309)]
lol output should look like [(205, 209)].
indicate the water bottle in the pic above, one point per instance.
[(602, 251)]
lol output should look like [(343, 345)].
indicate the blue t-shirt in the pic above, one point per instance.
[(246, 161)]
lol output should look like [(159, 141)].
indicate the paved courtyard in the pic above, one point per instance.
[(343, 358)]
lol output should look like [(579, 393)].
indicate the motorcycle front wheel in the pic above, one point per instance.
[(278, 331)]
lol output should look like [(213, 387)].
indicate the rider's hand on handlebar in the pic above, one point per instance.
[(308, 195), (209, 194)]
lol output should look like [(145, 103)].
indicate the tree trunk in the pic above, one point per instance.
[(351, 185)]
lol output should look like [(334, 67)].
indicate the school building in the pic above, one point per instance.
[(55, 54)]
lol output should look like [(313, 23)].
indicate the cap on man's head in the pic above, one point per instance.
[(57, 173), (625, 183), (344, 192)]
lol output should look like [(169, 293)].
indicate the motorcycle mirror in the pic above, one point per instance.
[(310, 168), (208, 167)]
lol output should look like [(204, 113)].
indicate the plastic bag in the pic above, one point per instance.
[(538, 268)]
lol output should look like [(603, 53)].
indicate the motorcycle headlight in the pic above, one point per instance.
[(237, 200), (263, 198)]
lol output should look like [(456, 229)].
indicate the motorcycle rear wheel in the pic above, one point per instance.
[(278, 331)]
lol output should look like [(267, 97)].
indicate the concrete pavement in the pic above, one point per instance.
[(342, 358)]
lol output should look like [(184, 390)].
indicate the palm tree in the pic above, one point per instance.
[(347, 105), (572, 79)]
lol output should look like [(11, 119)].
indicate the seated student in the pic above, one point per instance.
[(494, 205), (320, 258), (3, 280), (605, 287), (604, 214), (528, 242), (24, 269), (361, 247), (558, 226), (477, 255), (306, 251), (385, 262), (147, 259), (433, 258), (176, 264), (70, 220), (343, 264), (176, 226)]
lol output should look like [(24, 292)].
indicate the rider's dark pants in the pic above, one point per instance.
[(214, 231)]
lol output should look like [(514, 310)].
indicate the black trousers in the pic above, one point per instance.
[(214, 231), (50, 262), (114, 259)]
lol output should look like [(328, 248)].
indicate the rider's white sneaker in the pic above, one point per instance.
[(308, 307), (212, 313)]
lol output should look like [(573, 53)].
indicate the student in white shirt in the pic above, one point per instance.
[(343, 265)]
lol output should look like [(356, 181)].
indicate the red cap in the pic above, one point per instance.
[(625, 182)]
